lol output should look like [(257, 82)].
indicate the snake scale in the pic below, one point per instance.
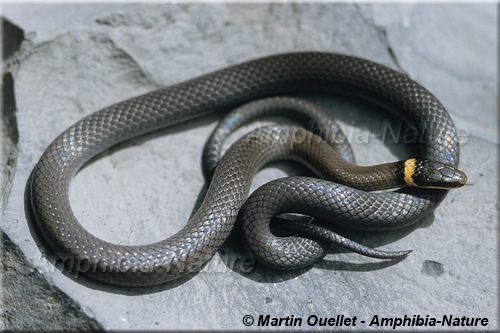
[(192, 246)]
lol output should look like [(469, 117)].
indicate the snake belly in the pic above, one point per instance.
[(191, 247)]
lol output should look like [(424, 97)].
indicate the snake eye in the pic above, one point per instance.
[(434, 174)]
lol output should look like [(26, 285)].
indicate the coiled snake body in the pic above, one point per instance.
[(197, 242)]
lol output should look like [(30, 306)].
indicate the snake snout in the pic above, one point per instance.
[(434, 174)]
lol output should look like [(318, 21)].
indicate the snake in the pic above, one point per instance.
[(297, 252), (189, 249), (309, 114)]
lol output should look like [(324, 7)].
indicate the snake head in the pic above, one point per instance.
[(432, 174)]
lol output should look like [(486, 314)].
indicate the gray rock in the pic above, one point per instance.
[(49, 309), (29, 303), (145, 189)]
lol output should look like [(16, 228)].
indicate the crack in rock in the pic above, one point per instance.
[(13, 36), (382, 31), (10, 138)]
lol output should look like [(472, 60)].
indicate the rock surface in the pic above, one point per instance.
[(29, 303), (89, 56)]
